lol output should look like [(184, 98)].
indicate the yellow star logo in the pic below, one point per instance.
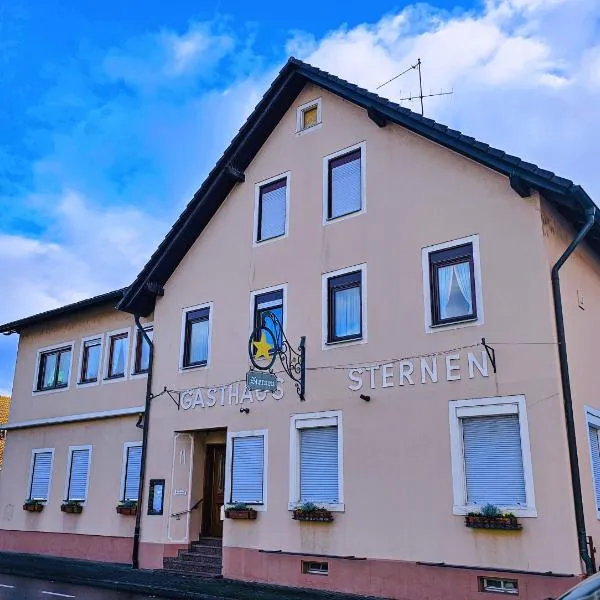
[(262, 348)]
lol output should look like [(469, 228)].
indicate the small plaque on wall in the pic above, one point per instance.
[(156, 497)]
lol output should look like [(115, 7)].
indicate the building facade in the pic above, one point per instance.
[(416, 264)]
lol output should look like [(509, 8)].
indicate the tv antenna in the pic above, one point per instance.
[(420, 96)]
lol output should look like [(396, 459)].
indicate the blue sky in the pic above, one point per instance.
[(112, 113)]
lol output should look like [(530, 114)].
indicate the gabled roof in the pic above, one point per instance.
[(70, 309), (570, 199)]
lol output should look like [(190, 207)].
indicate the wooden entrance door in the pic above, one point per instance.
[(214, 490)]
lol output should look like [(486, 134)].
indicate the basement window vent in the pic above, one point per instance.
[(501, 586), (315, 568)]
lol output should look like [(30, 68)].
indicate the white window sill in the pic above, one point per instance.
[(352, 342), (311, 128), (331, 507), (192, 368), (518, 511), (51, 391), (474, 321), (350, 215)]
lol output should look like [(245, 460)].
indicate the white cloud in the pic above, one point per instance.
[(520, 81)]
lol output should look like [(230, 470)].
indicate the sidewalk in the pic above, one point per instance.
[(155, 582)]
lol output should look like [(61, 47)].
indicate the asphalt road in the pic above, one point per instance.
[(23, 588)]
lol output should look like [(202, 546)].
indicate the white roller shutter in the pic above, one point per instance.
[(247, 474), (132, 472), (494, 460), (319, 467), (80, 462), (595, 449), (40, 476)]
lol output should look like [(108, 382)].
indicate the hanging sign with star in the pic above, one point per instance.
[(264, 347)]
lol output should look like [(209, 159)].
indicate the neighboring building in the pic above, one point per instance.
[(395, 246), (4, 412)]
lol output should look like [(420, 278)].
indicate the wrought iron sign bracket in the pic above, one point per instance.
[(292, 360), (491, 353)]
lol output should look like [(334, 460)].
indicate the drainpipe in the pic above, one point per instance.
[(138, 516), (566, 391)]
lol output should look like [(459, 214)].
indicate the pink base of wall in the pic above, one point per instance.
[(384, 578), (86, 547)]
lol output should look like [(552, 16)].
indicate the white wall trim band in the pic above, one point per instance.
[(107, 414)]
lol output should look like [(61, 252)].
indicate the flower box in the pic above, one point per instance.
[(248, 514), (33, 507), (317, 515), (506, 522), (73, 509), (129, 511)]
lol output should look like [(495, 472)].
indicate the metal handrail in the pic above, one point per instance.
[(189, 510)]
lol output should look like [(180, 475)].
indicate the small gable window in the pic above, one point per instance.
[(308, 115)]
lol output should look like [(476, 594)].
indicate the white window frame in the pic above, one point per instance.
[(425, 252), (30, 480), (287, 175), (98, 336), (184, 312), (38, 357), (592, 417), (145, 327), (126, 447), (231, 435), (108, 336), (68, 474), (300, 130), (273, 288), (326, 345), (363, 182), (306, 421), (479, 407)]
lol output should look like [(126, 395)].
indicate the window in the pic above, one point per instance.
[(593, 422), (315, 568), (41, 474), (90, 360), (316, 460), (132, 463), (246, 467), (490, 455), (308, 115), (272, 208), (142, 351), (78, 473), (54, 367), (503, 586), (452, 283), (117, 355), (345, 305), (196, 336), (344, 182), (270, 302)]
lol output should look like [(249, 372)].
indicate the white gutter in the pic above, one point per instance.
[(95, 416)]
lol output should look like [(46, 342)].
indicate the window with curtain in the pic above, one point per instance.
[(344, 307), (195, 352), (310, 116), (90, 361), (142, 351), (270, 302), (78, 474), (272, 210), (53, 370), (41, 473), (344, 185), (595, 451), (493, 460), (247, 469), (452, 283), (117, 356), (133, 464), (319, 465)]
